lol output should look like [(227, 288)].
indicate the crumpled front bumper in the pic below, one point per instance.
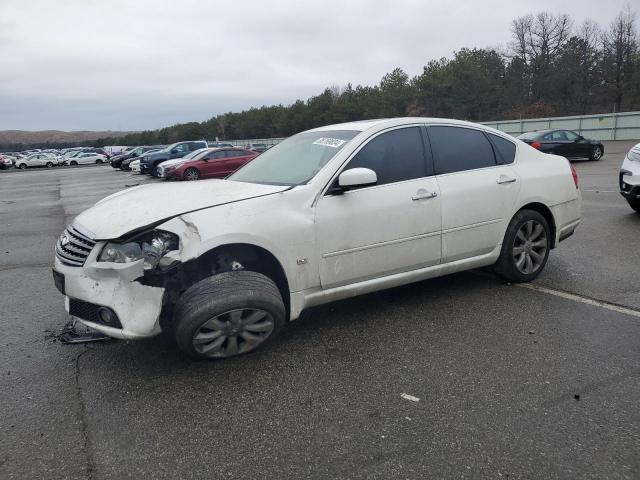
[(110, 285)]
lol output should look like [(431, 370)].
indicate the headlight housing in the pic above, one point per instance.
[(634, 154), (151, 246)]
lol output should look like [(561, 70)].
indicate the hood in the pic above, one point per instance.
[(139, 207), (170, 163)]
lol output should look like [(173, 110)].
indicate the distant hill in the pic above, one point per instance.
[(24, 137)]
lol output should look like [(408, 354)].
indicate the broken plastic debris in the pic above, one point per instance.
[(76, 332), (406, 396)]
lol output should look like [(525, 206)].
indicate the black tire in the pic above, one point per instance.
[(23, 166), (506, 265), (98, 161), (596, 153), (635, 204), (73, 163), (191, 174), (216, 296), (49, 164)]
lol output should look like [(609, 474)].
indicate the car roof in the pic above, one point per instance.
[(363, 125)]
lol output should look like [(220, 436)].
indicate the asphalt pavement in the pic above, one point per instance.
[(458, 377)]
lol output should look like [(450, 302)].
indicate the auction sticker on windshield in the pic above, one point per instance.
[(330, 142)]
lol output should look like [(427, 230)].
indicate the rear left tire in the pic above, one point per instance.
[(525, 248)]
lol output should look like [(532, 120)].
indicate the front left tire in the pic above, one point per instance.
[(228, 314), (635, 204), (191, 174)]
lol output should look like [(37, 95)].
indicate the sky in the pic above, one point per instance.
[(145, 64)]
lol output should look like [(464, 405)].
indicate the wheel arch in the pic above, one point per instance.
[(222, 258), (546, 212)]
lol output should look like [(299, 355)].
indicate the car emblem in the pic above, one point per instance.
[(64, 240)]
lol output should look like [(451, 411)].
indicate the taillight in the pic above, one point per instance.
[(574, 174), (536, 145)]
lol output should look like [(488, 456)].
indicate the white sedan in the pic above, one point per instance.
[(86, 159), (135, 166), (327, 214)]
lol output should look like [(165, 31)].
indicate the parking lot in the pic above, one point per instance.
[(499, 381)]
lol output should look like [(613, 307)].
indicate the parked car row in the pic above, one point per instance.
[(145, 158), (189, 160), (51, 158)]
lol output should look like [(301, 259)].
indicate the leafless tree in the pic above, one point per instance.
[(537, 41), (620, 47)]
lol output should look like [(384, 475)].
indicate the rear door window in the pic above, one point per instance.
[(555, 136), (571, 136), (460, 149)]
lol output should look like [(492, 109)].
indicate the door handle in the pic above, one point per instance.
[(423, 195), (505, 179)]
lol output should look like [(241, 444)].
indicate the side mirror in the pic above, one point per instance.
[(174, 150), (580, 137), (357, 178)]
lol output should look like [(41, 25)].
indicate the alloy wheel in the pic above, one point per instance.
[(597, 153), (233, 333), (191, 174), (530, 247)]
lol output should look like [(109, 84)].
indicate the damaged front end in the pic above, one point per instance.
[(117, 287)]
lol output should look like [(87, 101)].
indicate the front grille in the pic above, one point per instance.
[(73, 247)]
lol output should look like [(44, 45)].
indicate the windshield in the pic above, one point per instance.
[(296, 160), (194, 154)]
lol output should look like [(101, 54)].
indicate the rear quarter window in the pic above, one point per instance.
[(505, 149)]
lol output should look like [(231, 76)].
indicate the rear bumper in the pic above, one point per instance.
[(567, 217)]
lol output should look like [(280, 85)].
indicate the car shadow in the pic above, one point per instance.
[(317, 329)]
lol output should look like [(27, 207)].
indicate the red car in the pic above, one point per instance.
[(212, 163)]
